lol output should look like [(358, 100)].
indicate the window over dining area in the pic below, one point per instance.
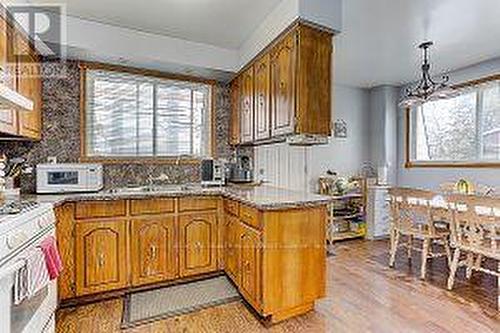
[(128, 115), (462, 130)]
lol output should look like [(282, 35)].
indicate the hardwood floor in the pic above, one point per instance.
[(363, 295)]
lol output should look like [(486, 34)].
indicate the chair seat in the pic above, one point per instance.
[(416, 232), (485, 250)]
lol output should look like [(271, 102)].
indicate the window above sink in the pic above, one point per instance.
[(139, 116)]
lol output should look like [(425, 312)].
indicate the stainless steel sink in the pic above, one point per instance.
[(155, 188)]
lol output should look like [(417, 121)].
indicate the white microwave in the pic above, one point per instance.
[(68, 178)]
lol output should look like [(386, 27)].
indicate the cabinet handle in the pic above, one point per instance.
[(247, 266), (153, 252), (100, 259), (197, 246)]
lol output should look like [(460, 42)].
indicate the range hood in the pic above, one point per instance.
[(12, 99)]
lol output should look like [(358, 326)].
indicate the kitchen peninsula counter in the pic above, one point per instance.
[(269, 241), (262, 197)]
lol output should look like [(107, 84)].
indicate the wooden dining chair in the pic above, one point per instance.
[(414, 216), (475, 233)]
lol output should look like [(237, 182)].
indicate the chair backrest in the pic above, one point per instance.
[(412, 210), (476, 223)]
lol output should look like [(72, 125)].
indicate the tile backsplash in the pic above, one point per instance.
[(61, 134)]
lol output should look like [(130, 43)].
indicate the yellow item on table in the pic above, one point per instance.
[(464, 187)]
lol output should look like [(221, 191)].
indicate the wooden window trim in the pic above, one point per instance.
[(419, 164), (133, 159)]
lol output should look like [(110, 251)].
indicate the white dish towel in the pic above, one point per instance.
[(31, 277)]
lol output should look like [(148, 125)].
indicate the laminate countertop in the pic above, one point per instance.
[(262, 197)]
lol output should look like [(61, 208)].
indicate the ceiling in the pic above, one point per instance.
[(377, 44), (223, 23)]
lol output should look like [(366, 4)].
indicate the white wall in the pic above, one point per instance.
[(431, 178), (299, 167), (327, 13), (111, 41), (383, 129), (280, 18)]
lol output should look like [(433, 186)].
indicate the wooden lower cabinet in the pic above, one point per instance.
[(101, 256), (197, 243), (293, 261), (276, 258), (250, 251), (153, 250), (231, 247)]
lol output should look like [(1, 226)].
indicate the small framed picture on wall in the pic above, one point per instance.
[(340, 129)]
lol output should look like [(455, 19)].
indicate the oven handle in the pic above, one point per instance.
[(12, 268)]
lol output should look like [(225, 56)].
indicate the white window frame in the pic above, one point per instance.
[(410, 137), (183, 159)]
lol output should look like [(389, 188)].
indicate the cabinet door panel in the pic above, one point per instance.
[(262, 96), (283, 76), (198, 233), (313, 109), (231, 260), (8, 116), (101, 256), (29, 85), (234, 130), (250, 252), (247, 107), (153, 250)]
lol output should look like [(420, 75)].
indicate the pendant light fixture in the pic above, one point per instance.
[(426, 89)]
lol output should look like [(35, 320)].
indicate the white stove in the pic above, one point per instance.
[(23, 225), (17, 229)]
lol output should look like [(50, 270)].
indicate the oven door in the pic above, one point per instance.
[(32, 315)]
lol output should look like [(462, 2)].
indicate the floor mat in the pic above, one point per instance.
[(148, 306)]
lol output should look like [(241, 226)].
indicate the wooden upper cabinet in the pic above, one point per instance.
[(8, 116), (250, 261), (234, 126), (247, 106), (292, 87), (262, 87), (101, 256), (21, 71), (153, 250), (197, 243), (314, 83), (283, 75), (29, 85)]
